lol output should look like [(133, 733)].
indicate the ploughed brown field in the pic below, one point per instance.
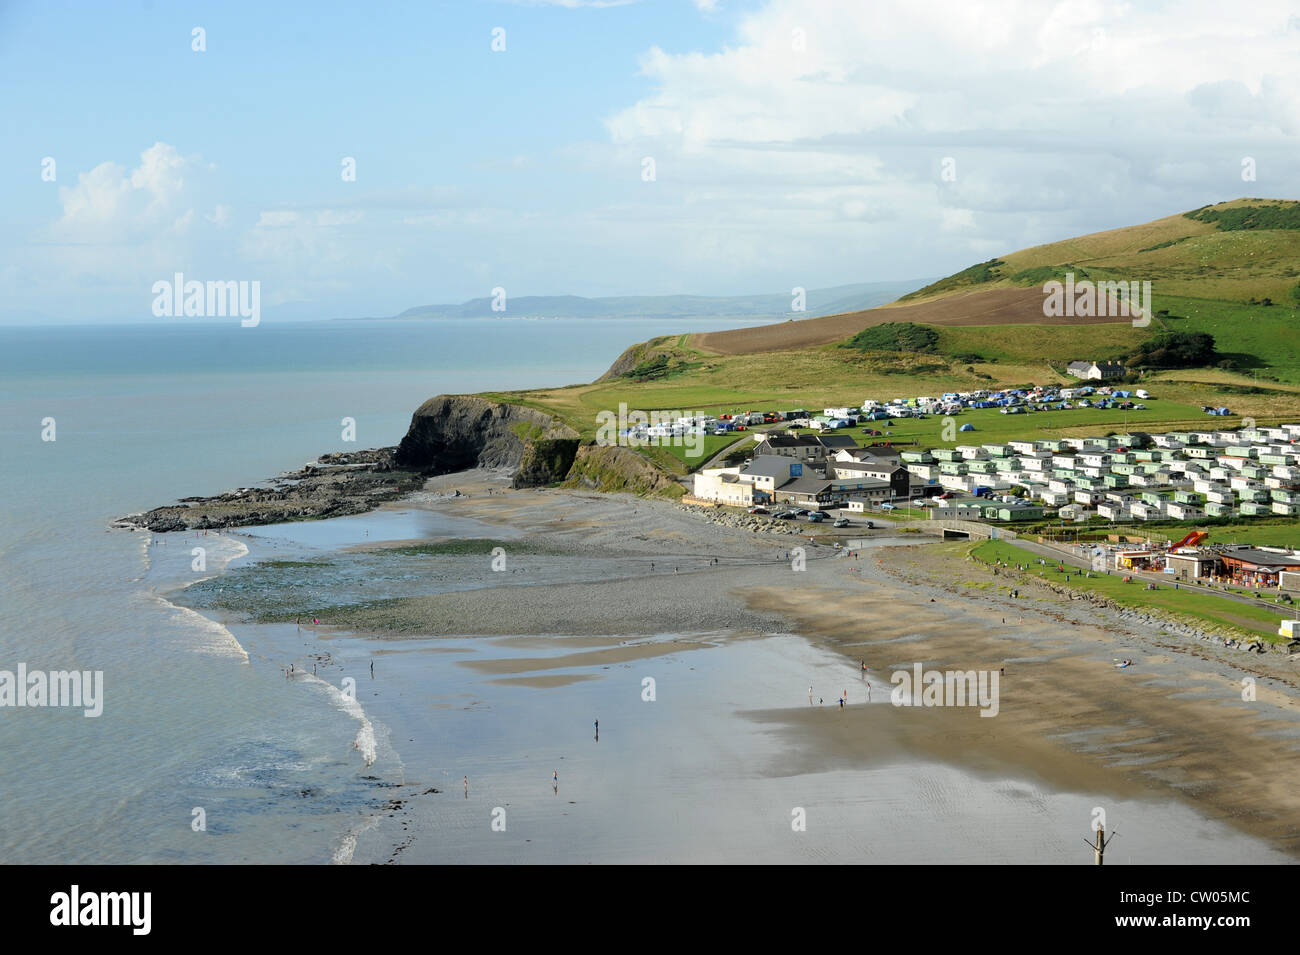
[(1001, 306)]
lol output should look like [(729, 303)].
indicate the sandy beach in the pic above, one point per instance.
[(719, 613), (1171, 730)]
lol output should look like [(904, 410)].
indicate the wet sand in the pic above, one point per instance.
[(1171, 739), (1173, 726)]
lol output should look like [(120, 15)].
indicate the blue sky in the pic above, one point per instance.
[(795, 142)]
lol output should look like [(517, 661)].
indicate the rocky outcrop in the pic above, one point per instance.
[(457, 432), (336, 485), (603, 468), (637, 355)]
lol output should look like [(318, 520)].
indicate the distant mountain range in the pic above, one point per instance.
[(821, 301)]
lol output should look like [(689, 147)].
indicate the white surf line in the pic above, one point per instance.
[(347, 846), (365, 738), (221, 643), (146, 540)]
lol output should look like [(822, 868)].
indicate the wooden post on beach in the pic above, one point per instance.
[(1099, 847)]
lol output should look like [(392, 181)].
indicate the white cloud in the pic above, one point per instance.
[(110, 204), (1051, 111)]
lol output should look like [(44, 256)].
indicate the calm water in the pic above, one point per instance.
[(144, 415)]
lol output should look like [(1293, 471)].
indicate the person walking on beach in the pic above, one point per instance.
[(466, 787), (372, 669), (810, 693)]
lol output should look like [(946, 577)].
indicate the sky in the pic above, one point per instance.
[(550, 147)]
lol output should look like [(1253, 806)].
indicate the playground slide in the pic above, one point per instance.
[(1191, 540)]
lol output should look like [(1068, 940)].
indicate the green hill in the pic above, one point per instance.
[(1230, 270), (1243, 250)]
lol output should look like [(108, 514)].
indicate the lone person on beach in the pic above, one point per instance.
[(372, 669)]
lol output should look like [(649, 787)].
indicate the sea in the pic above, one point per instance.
[(100, 421)]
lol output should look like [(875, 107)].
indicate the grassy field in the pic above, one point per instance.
[(1198, 605), (684, 459), (1257, 532), (825, 377)]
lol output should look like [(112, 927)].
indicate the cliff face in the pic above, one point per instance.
[(451, 433)]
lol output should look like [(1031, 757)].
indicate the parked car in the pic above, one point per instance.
[(841, 522), (920, 502), (887, 507), (787, 515), (871, 431), (800, 511), (816, 517), (758, 509)]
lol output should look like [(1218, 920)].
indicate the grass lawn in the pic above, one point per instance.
[(1255, 532), (689, 459), (1187, 601)]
